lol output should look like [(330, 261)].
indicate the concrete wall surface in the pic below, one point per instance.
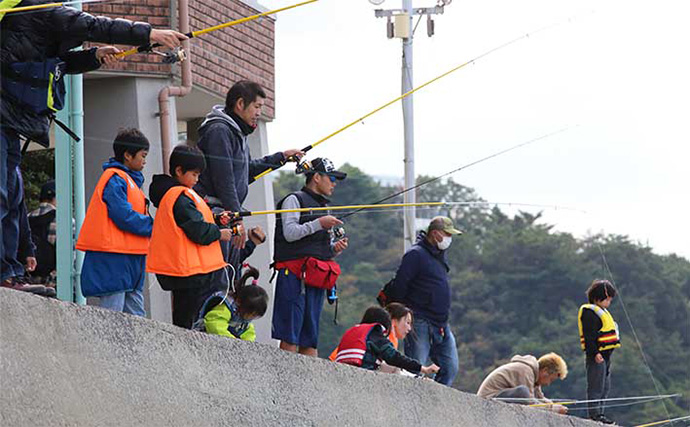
[(66, 365)]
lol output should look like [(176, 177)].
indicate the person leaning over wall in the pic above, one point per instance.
[(522, 379), (35, 54)]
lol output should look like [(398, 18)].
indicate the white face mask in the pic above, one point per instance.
[(445, 243)]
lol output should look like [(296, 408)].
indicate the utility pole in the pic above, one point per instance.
[(399, 25)]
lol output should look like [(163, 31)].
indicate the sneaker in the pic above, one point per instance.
[(18, 285), (603, 419)]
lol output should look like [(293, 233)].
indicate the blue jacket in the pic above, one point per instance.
[(105, 273), (230, 168), (421, 282)]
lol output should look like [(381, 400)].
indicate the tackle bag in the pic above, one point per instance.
[(38, 86), (383, 296), (320, 274)]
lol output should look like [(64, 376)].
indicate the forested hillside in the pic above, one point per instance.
[(517, 285)]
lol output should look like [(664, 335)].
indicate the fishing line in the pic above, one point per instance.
[(410, 92), (670, 420), (632, 328), (483, 159)]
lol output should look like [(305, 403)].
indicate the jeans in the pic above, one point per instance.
[(126, 302), (10, 200), (598, 385), (426, 341)]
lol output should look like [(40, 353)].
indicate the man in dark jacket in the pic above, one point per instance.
[(421, 283), (223, 139), (35, 53)]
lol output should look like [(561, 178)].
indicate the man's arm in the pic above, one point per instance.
[(408, 270), (292, 229), (81, 61), (120, 210), (272, 161), (77, 26)]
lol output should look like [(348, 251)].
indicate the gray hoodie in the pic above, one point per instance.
[(229, 167)]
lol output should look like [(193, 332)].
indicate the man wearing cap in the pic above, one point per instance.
[(303, 239), (421, 283)]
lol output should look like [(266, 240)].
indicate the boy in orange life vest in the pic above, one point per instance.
[(185, 249), (365, 344), (598, 338), (116, 229)]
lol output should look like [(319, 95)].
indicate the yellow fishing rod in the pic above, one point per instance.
[(234, 216), (399, 98), (670, 420), (651, 398), (179, 56)]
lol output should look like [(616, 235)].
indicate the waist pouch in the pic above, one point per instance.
[(320, 274), (38, 86)]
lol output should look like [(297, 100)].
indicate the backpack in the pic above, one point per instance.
[(383, 296)]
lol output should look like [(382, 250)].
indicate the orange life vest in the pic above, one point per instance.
[(171, 252), (99, 232)]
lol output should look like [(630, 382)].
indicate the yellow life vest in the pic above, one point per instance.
[(609, 337)]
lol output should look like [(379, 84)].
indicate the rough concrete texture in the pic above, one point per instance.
[(66, 365)]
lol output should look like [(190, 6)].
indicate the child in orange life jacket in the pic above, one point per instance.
[(366, 344), (116, 229), (185, 249), (231, 314), (599, 336)]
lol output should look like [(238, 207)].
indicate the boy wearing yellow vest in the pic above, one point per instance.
[(599, 336), (116, 230), (185, 249)]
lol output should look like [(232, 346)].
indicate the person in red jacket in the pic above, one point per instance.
[(366, 345)]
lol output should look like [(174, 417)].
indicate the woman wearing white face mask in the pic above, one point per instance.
[(422, 284)]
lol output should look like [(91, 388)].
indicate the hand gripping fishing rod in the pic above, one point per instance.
[(178, 55), (401, 97)]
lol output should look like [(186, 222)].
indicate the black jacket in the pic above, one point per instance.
[(52, 33)]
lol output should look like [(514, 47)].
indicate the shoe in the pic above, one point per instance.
[(18, 285), (603, 419)]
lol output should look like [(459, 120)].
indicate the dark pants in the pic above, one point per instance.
[(10, 201), (190, 293), (519, 393), (598, 384)]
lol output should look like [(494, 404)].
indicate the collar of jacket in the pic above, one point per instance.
[(244, 127), (319, 198), (432, 249), (137, 176)]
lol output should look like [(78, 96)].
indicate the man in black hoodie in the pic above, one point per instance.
[(223, 139)]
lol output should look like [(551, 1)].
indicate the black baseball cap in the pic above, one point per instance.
[(325, 166), (48, 190)]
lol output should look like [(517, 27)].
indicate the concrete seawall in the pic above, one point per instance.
[(66, 365)]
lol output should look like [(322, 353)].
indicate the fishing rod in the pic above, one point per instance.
[(178, 54), (614, 399), (670, 420), (403, 96), (235, 216), (476, 162)]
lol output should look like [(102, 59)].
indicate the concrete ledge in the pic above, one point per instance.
[(62, 364)]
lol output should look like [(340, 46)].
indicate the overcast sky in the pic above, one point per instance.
[(616, 71)]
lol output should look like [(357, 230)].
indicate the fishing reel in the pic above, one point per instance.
[(304, 167), (226, 220), (173, 56), (338, 233)]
